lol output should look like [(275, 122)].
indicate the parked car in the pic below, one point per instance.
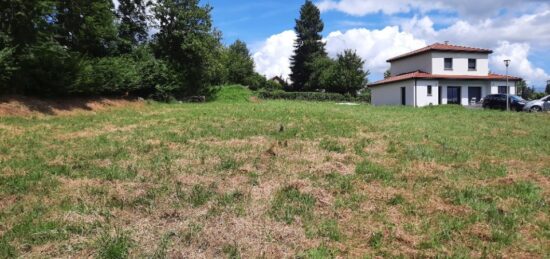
[(539, 105), (498, 101)]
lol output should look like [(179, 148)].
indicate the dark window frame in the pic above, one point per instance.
[(469, 64), (445, 60), (430, 90)]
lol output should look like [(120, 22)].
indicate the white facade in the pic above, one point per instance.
[(465, 80), (434, 63), (390, 94), (422, 62)]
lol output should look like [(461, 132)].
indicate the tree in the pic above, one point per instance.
[(239, 63), (547, 90), (522, 89), (188, 42), (133, 28), (345, 75), (387, 74), (308, 46), (86, 26), (350, 76)]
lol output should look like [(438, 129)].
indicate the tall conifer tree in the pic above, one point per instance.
[(308, 46)]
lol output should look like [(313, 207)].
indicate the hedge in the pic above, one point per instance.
[(312, 96)]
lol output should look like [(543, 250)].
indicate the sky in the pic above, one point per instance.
[(380, 29)]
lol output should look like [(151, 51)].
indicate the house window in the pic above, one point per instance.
[(448, 64), (472, 64), (502, 89), (429, 90)]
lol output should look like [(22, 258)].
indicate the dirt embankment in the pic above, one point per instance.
[(28, 106)]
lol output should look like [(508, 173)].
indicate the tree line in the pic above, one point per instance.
[(160, 49)]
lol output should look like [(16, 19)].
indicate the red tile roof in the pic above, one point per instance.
[(441, 47), (424, 75)]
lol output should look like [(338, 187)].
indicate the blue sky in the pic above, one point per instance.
[(519, 30)]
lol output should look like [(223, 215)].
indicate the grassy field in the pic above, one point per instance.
[(238, 178)]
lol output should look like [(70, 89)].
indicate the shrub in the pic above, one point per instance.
[(109, 75), (311, 96)]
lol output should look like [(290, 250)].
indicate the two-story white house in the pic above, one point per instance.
[(440, 74)]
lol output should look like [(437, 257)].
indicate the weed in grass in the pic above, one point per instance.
[(231, 251), (546, 172), (321, 252), (230, 199), (200, 195), (290, 203), (6, 249), (193, 230), (396, 200), (359, 146), (371, 171), (376, 239), (329, 229), (349, 201), (160, 252), (332, 146), (228, 164), (340, 184), (114, 247), (36, 182), (253, 179)]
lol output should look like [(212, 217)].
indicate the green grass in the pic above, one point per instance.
[(113, 246), (289, 203), (336, 181)]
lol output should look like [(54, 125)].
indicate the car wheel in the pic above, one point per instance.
[(535, 109)]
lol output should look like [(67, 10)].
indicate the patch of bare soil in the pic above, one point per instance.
[(28, 106)]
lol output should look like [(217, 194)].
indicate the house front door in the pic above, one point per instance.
[(474, 94), (453, 95)]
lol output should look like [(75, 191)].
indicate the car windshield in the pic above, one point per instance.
[(517, 98)]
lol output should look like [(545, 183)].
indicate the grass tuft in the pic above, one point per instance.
[(113, 247), (371, 171), (290, 203)]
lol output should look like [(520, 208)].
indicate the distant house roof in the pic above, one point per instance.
[(441, 47), (424, 75)]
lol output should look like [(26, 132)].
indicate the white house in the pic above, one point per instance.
[(440, 74)]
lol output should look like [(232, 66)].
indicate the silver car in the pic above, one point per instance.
[(539, 105)]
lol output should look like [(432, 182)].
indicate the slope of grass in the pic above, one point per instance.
[(277, 179), (233, 94)]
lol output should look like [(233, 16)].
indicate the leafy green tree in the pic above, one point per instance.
[(308, 46), (87, 27), (133, 27), (239, 63), (345, 75), (188, 42), (522, 89), (547, 90)]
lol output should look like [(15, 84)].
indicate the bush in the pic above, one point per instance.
[(7, 67), (312, 96), (109, 75)]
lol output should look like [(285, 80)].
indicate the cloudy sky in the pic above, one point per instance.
[(378, 30)]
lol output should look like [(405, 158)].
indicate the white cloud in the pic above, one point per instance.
[(518, 53), (374, 46), (273, 56), (466, 8)]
